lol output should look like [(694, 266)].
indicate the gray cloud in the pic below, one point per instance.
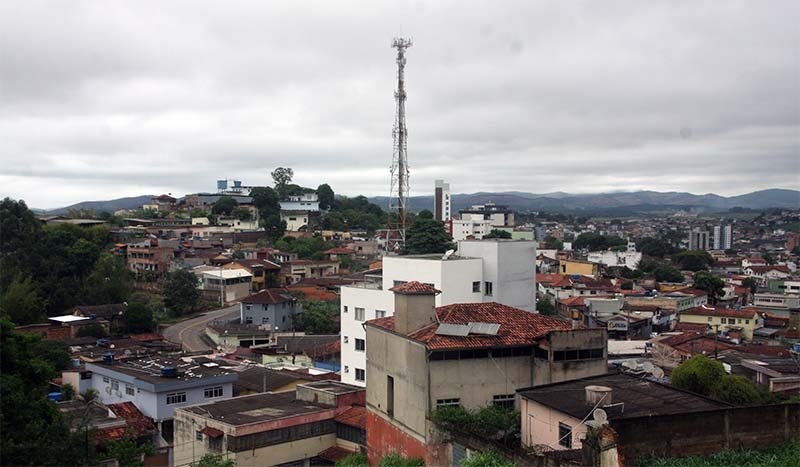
[(103, 99)]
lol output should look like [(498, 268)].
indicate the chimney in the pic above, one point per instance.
[(598, 396), (414, 306)]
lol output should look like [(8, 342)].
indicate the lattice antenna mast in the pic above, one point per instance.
[(398, 194)]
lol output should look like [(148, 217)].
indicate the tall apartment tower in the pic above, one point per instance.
[(723, 237), (442, 208), (698, 239)]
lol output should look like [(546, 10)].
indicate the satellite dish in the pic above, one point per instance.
[(658, 373), (600, 416), (648, 367)]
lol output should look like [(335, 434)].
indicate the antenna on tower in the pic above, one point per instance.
[(398, 193)]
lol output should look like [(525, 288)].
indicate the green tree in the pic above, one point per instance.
[(544, 306), (20, 302), (594, 242), (325, 196), (654, 247), (318, 317), (751, 283), (224, 206), (28, 420), (91, 330), (698, 374), (552, 243), (138, 318), (710, 283), (396, 460), (487, 459), (109, 282), (274, 226), (282, 177), (738, 390), (67, 392), (20, 240), (427, 236), (243, 214), (666, 272), (353, 460), (693, 260), (214, 460), (128, 452), (497, 233), (180, 292)]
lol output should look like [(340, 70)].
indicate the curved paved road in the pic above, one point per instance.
[(189, 333)]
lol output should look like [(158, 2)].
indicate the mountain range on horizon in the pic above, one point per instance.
[(611, 203)]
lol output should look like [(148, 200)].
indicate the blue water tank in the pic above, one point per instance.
[(169, 372), (54, 396), (108, 358)]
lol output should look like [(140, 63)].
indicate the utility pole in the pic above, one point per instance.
[(398, 193)]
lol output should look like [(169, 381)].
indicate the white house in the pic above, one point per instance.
[(157, 386), (495, 270), (304, 202), (629, 259), (466, 228)]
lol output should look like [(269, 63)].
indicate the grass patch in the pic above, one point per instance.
[(782, 455)]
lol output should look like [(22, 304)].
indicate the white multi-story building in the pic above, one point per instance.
[(304, 202), (466, 228), (501, 271), (442, 209), (722, 237), (629, 258)]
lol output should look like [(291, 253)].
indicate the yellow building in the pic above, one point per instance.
[(745, 320), (578, 267)]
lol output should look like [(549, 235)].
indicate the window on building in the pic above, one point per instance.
[(709, 319), (248, 307), (129, 390), (345, 339), (454, 402), (215, 391), (380, 313), (198, 435), (476, 286), (105, 379), (345, 308), (503, 400), (248, 320), (396, 283), (215, 444), (747, 321), (176, 398), (114, 385), (390, 396), (565, 435), (346, 369), (360, 345), (265, 320), (361, 374), (487, 288), (359, 314)]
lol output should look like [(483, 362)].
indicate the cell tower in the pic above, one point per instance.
[(398, 194)]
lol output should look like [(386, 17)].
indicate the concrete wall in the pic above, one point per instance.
[(510, 266), (550, 371), (540, 426), (406, 362), (703, 433), (370, 300), (476, 381)]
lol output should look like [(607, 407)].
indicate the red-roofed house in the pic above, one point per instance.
[(468, 354)]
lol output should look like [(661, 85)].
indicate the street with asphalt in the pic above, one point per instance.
[(190, 333)]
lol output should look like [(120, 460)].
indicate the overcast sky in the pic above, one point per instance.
[(104, 99)]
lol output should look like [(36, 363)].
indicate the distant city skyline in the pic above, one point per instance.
[(102, 101)]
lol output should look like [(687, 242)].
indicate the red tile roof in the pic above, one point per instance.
[(269, 296), (517, 327), (414, 288), (766, 269), (724, 312), (147, 337), (355, 416), (212, 432), (136, 420), (549, 279)]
